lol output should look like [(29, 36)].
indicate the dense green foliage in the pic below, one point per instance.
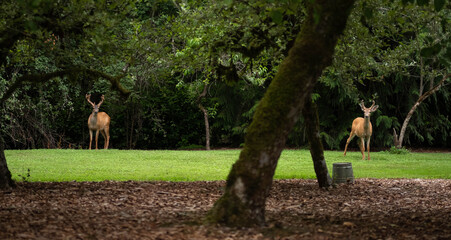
[(164, 165), (165, 51)]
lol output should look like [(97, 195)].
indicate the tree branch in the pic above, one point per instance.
[(177, 6), (414, 107), (40, 78), (114, 80)]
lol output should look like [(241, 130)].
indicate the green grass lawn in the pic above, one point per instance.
[(122, 165)]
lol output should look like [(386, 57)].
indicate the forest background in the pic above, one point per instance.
[(193, 65)]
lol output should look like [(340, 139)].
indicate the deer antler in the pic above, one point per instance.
[(362, 104), (101, 101), (88, 97), (373, 104)]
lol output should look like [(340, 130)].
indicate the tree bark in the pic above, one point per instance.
[(310, 114), (205, 112), (399, 141), (250, 179), (6, 182)]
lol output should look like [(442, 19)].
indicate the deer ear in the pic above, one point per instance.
[(374, 108)]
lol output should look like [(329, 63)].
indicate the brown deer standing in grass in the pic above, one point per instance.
[(363, 129), (99, 122)]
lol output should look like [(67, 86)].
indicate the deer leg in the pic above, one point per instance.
[(97, 139), (104, 137), (90, 139), (362, 147), (351, 136), (368, 147), (107, 137)]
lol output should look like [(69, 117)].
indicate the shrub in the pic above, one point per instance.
[(395, 150)]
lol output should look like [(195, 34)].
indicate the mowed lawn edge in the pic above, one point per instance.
[(60, 165)]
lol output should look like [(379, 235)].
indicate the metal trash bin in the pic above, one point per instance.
[(342, 173)]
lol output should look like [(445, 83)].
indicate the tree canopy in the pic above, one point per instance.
[(163, 53)]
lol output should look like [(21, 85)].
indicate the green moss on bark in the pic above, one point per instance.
[(310, 114), (277, 113), (6, 182)]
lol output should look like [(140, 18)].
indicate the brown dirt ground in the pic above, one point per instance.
[(296, 209)]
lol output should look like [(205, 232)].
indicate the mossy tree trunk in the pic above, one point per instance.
[(6, 183), (250, 179), (310, 114)]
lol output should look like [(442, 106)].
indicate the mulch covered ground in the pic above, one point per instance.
[(296, 209)]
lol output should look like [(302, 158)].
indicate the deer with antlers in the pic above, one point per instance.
[(363, 129), (99, 122)]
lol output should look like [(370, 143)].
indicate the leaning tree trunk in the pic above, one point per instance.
[(250, 179), (398, 141), (310, 114), (6, 183)]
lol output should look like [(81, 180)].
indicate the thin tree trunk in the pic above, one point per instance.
[(207, 127), (415, 106), (6, 182), (310, 114), (205, 112), (250, 179)]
